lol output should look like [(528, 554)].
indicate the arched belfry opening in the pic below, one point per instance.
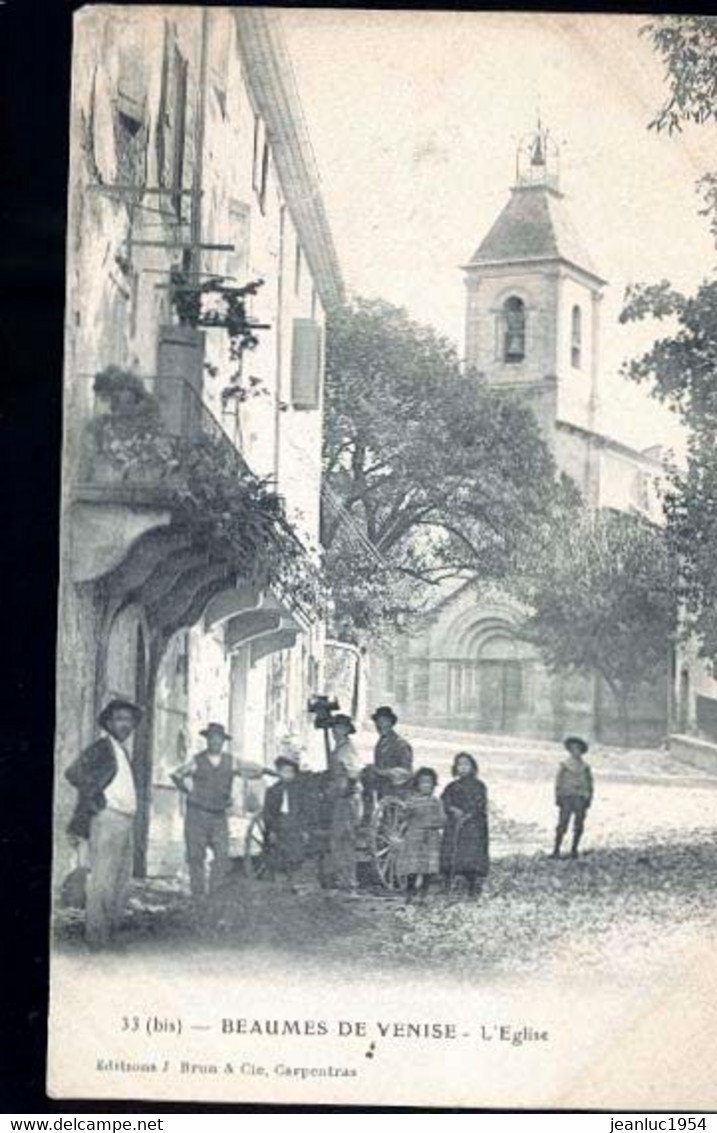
[(513, 317)]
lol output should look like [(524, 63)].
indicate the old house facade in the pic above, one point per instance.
[(533, 303), (200, 267)]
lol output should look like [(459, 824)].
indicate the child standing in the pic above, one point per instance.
[(285, 818), (464, 850), (419, 854), (573, 794)]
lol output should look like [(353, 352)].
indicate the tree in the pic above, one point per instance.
[(603, 601), (688, 47), (682, 365), (429, 475)]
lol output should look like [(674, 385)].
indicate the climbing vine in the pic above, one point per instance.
[(213, 305), (214, 492)]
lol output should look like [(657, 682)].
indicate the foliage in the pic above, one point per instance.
[(434, 476), (688, 47), (682, 365), (125, 393), (214, 492), (604, 600), (691, 507), (214, 305)]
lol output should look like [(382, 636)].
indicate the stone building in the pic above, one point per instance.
[(532, 330), (190, 168)]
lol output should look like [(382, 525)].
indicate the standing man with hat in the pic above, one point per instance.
[(207, 781), (573, 794), (104, 815), (392, 765)]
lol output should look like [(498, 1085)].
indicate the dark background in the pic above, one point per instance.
[(35, 52), (34, 85)]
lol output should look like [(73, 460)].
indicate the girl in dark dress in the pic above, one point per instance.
[(464, 849)]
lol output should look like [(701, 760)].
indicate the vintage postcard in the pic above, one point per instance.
[(386, 760)]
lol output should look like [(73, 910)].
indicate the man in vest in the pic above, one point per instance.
[(392, 762), (207, 781), (104, 815)]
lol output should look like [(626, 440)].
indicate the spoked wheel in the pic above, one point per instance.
[(256, 848), (388, 827)]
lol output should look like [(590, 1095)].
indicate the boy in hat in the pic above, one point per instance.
[(286, 815), (207, 781), (392, 765), (573, 794), (104, 815)]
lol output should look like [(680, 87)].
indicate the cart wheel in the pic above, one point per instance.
[(256, 848), (388, 826)]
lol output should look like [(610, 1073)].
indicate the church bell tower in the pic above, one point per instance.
[(533, 298)]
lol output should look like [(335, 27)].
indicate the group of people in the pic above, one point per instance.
[(306, 814)]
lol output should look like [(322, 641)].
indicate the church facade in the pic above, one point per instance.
[(533, 305)]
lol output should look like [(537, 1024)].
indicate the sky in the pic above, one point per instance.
[(415, 118)]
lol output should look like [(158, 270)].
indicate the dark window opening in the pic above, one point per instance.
[(576, 337), (264, 176), (255, 160), (514, 329)]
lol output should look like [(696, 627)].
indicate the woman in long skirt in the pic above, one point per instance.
[(464, 848)]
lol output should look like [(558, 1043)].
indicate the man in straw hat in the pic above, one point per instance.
[(207, 780), (573, 794), (392, 767), (103, 777)]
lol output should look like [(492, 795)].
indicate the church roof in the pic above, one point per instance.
[(534, 225)]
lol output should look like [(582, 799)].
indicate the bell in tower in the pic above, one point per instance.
[(538, 160)]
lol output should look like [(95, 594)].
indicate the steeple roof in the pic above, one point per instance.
[(534, 226)]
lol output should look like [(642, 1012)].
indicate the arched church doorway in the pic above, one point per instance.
[(492, 688)]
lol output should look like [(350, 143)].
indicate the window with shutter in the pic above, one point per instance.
[(306, 364), (258, 146), (171, 127), (264, 176), (219, 43), (130, 118), (260, 168)]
